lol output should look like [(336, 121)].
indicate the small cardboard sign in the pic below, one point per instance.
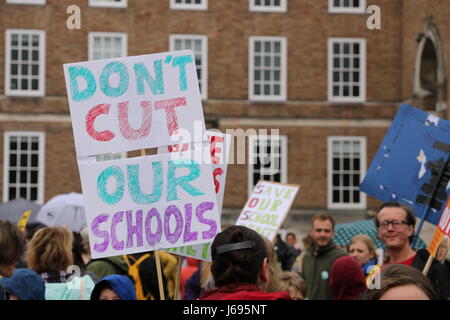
[(267, 207), (440, 242)]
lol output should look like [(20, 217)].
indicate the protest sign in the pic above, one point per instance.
[(215, 152), (411, 164), (147, 203), (267, 207), (132, 103), (440, 242)]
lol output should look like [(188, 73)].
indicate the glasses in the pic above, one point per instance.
[(396, 224)]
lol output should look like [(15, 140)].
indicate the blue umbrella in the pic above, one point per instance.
[(346, 231)]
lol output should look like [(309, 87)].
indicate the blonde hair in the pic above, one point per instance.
[(50, 250), (368, 242), (294, 284), (272, 262)]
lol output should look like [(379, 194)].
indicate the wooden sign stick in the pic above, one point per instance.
[(158, 263), (158, 271), (427, 265), (178, 279)]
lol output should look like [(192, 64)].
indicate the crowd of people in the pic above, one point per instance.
[(53, 263)]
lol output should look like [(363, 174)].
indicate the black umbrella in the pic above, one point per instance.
[(14, 209)]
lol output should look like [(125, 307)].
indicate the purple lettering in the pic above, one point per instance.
[(115, 243), (188, 235), (134, 229), (100, 247), (153, 238), (201, 208), (173, 237)]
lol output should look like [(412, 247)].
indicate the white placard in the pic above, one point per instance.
[(216, 151), (148, 203), (133, 103)]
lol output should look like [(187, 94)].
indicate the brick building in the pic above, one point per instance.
[(310, 68)]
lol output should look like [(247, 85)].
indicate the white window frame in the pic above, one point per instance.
[(25, 93), (108, 4), (263, 8), (362, 70), (361, 10), (92, 35), (283, 76), (252, 140), (32, 2), (204, 53), (362, 163), (185, 6), (41, 162)]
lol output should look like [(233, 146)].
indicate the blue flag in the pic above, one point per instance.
[(411, 164)]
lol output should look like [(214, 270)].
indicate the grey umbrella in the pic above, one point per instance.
[(65, 210), (14, 209)]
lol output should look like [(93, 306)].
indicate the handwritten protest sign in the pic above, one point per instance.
[(147, 203), (440, 241), (133, 103), (267, 207), (215, 152), (408, 164)]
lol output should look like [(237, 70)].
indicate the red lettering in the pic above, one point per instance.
[(176, 147), (169, 106), (217, 172), (253, 202), (90, 119), (245, 215), (127, 131), (215, 149)]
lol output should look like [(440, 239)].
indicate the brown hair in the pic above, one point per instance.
[(396, 275), (12, 242), (294, 284), (242, 265), (50, 250), (368, 241), (323, 217), (410, 216)]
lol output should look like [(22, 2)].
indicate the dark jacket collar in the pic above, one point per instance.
[(322, 250)]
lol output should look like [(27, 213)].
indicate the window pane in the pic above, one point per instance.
[(23, 176), (336, 198), (34, 176), (346, 198), (23, 160), (336, 163), (12, 176), (12, 193), (34, 160), (336, 181), (356, 196), (23, 193)]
